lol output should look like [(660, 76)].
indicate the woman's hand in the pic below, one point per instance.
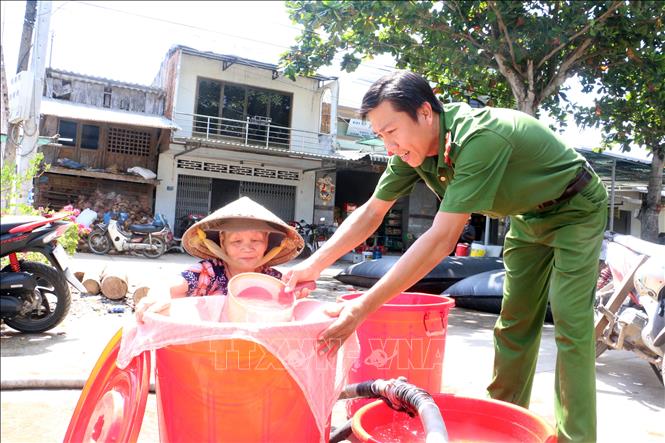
[(152, 303), (350, 314)]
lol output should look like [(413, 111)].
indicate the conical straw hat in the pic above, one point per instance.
[(243, 214)]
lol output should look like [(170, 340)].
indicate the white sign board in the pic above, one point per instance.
[(359, 128), (19, 92)]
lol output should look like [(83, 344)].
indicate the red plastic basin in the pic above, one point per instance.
[(466, 419)]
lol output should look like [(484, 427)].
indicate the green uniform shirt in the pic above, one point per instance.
[(504, 162)]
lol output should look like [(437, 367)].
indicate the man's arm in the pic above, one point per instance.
[(419, 259), (423, 256), (354, 230)]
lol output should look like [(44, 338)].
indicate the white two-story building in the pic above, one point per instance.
[(245, 130)]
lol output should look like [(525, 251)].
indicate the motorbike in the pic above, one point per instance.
[(314, 235), (149, 240), (35, 297), (630, 300), (186, 221)]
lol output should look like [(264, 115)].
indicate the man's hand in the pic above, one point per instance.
[(300, 273), (152, 303), (350, 314)]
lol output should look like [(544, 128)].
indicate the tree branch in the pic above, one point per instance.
[(502, 27), (470, 39), (609, 11), (562, 75)]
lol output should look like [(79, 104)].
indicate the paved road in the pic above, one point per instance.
[(630, 399)]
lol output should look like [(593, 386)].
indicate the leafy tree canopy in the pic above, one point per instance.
[(517, 53), (631, 107)]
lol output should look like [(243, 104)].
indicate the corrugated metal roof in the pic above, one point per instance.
[(629, 173), (77, 111), (104, 80), (241, 61)]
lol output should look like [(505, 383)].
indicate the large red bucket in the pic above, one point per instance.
[(229, 390), (219, 389), (405, 337), (466, 419)]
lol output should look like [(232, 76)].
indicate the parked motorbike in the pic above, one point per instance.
[(34, 297), (314, 235), (630, 300), (149, 240), (185, 222)]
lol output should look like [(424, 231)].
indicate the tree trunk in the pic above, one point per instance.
[(651, 204), (139, 293), (528, 107)]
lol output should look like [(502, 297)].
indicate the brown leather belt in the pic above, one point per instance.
[(576, 185)]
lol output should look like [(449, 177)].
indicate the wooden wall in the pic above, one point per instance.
[(120, 147), (92, 93)]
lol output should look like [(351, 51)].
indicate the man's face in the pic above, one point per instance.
[(411, 140)]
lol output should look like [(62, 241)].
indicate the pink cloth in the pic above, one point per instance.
[(195, 319)]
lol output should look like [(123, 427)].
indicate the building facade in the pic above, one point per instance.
[(104, 127), (244, 130)]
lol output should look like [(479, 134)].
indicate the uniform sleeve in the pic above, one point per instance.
[(397, 180), (479, 170)]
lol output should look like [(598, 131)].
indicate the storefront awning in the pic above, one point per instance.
[(77, 111)]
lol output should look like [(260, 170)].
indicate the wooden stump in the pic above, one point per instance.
[(91, 281), (79, 275), (139, 293), (114, 283)]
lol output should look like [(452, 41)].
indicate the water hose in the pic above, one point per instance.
[(400, 396)]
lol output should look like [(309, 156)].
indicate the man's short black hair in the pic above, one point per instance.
[(405, 90)]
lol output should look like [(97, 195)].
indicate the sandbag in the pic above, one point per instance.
[(449, 271), (482, 292)]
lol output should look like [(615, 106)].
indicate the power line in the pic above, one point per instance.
[(198, 28)]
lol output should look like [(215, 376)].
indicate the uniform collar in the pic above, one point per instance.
[(445, 145)]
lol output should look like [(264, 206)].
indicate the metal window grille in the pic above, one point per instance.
[(193, 197), (280, 199), (241, 170)]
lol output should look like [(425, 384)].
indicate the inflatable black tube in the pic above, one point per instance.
[(448, 272), (482, 292)]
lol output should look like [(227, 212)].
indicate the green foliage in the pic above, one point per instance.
[(10, 186), (11, 182), (631, 110), (517, 53)]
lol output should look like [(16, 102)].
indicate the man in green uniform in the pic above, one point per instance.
[(497, 162)]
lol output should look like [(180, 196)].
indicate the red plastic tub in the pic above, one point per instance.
[(219, 389), (248, 398), (404, 337), (466, 419)]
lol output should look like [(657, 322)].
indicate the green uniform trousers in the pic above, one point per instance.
[(553, 255)]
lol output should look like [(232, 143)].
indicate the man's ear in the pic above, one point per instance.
[(426, 112)]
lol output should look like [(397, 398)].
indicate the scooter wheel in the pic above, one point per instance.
[(99, 242), (56, 300), (158, 248)]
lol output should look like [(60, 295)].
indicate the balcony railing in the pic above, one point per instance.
[(257, 131)]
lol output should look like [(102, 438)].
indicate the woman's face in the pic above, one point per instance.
[(245, 248)]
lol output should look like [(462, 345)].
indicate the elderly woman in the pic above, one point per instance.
[(242, 236)]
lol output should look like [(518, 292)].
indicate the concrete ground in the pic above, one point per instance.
[(631, 400)]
